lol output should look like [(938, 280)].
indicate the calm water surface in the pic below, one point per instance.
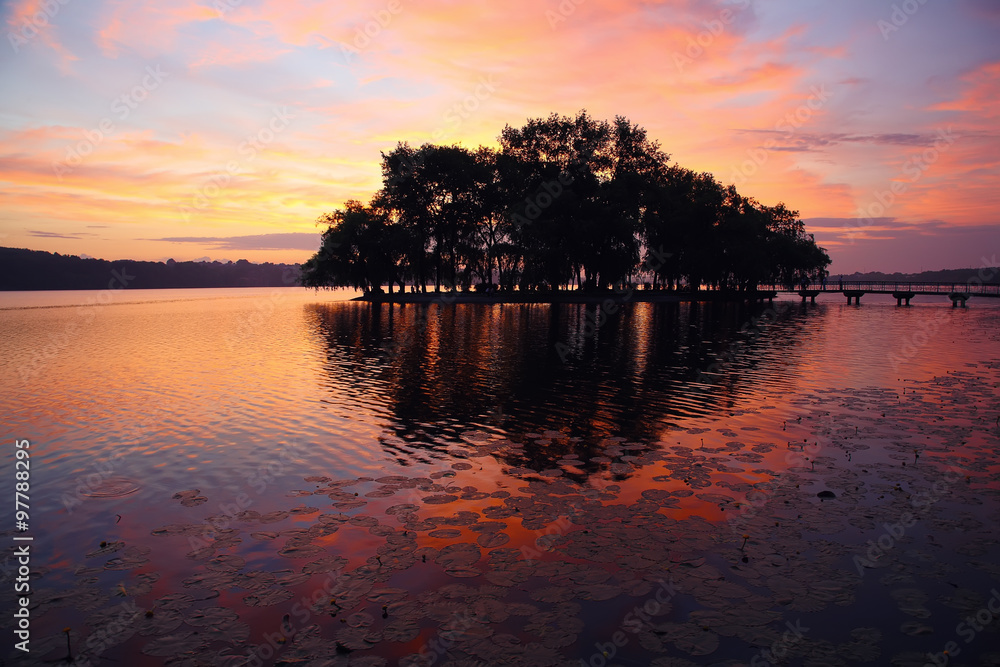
[(334, 482)]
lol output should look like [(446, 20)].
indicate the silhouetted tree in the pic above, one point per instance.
[(563, 197), (361, 248), (433, 189)]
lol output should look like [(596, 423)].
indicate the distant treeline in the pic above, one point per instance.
[(988, 275), (22, 269), (563, 201)]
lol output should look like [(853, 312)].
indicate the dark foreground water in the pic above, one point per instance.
[(228, 477)]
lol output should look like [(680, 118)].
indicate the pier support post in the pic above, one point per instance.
[(811, 293), (958, 299), (853, 294)]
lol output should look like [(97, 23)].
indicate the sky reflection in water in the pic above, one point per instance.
[(507, 484)]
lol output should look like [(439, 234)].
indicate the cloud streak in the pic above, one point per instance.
[(287, 241)]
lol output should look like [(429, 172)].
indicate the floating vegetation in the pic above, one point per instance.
[(190, 498), (131, 558), (107, 548), (696, 551), (267, 597)]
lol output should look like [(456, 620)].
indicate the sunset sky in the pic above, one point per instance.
[(224, 128)]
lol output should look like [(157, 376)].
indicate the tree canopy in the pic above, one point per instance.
[(562, 201)]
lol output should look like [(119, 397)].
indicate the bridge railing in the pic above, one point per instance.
[(891, 286)]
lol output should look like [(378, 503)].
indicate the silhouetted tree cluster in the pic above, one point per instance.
[(563, 201), (987, 275), (22, 269)]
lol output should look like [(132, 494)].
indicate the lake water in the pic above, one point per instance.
[(279, 476)]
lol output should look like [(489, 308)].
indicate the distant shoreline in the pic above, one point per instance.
[(627, 296)]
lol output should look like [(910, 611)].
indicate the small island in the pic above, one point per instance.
[(565, 209)]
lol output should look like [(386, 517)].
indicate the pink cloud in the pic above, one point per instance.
[(147, 28), (31, 20)]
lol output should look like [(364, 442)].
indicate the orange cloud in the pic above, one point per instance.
[(978, 100)]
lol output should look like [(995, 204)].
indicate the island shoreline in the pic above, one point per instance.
[(544, 298)]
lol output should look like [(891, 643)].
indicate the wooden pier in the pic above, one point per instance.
[(959, 293)]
